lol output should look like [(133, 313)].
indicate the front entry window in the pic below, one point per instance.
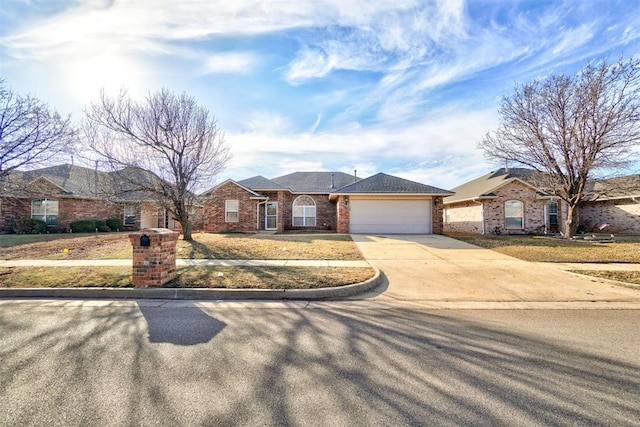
[(514, 215), (45, 210), (304, 212)]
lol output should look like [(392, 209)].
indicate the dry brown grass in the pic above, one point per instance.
[(269, 277), (277, 246), (625, 249), (218, 246), (620, 276), (65, 246), (192, 277)]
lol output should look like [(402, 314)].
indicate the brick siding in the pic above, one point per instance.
[(214, 210), (344, 214), (437, 209), (11, 210), (622, 216), (464, 217), (326, 218)]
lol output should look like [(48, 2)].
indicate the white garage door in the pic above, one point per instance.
[(390, 216)]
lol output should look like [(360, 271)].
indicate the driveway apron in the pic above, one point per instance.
[(438, 268)]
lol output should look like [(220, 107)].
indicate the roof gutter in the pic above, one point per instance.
[(635, 199), (481, 214)]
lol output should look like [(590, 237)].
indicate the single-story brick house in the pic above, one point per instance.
[(324, 201), (60, 195), (510, 201)]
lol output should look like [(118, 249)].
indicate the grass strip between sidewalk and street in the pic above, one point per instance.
[(632, 277), (187, 277)]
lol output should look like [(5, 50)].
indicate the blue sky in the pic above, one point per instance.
[(403, 87)]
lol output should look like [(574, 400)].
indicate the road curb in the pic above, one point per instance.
[(337, 292)]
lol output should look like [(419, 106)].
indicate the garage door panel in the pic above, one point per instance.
[(390, 216)]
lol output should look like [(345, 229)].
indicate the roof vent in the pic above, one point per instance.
[(355, 175), (332, 182)]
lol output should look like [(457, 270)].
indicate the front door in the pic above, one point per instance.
[(271, 216)]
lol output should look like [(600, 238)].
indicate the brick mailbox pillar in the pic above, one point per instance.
[(154, 256)]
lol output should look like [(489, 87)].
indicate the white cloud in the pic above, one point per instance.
[(435, 150), (229, 63)]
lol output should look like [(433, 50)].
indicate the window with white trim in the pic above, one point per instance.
[(304, 212), (45, 210), (231, 211), (513, 215), (130, 213)]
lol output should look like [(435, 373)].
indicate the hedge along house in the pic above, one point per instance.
[(324, 201), (60, 195), (505, 201)]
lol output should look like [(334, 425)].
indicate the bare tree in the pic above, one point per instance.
[(166, 147), (30, 133), (571, 127)]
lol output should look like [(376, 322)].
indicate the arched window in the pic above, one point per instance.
[(513, 215), (304, 212)]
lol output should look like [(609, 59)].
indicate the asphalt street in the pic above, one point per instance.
[(324, 363)]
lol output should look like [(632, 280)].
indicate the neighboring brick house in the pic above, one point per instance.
[(612, 205), (503, 201), (510, 201), (60, 195), (324, 201)]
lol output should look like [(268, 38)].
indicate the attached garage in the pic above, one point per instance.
[(386, 204), (390, 215)]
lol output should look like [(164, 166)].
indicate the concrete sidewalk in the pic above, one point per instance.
[(184, 263)]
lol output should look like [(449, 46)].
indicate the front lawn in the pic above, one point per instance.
[(188, 277), (625, 249), (205, 245)]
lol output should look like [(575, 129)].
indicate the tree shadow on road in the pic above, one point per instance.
[(325, 364), (187, 326)]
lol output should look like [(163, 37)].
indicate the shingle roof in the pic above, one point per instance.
[(82, 182), (613, 188), (260, 183), (74, 180), (382, 183), (315, 182), (484, 185)]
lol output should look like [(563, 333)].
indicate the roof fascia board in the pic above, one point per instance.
[(469, 199)]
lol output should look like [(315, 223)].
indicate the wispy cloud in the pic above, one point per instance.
[(229, 63)]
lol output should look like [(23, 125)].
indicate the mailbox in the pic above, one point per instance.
[(144, 240)]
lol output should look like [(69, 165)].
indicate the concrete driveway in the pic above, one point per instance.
[(438, 268)]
